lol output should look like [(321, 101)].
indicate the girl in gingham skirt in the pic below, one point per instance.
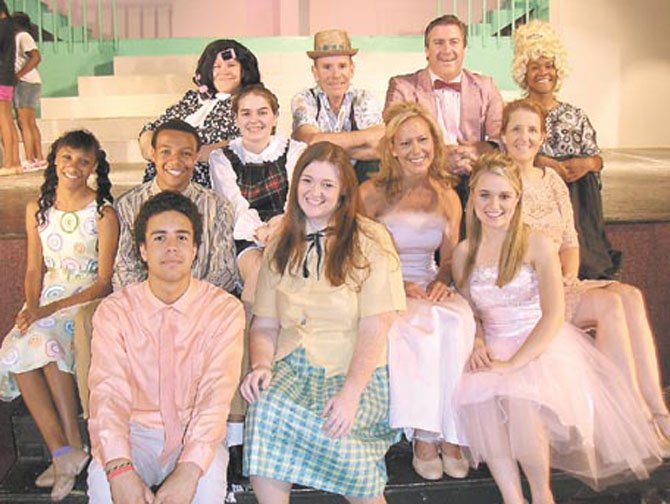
[(329, 287)]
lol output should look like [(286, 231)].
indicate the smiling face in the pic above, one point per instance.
[(541, 76), (319, 193), (74, 166), (494, 201), (523, 136), (413, 147), (333, 74), (227, 75), (169, 248), (255, 118), (445, 51), (175, 155)]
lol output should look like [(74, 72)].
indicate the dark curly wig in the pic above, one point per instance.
[(250, 74), (76, 139)]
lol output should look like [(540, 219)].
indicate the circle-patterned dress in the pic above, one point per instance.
[(70, 250)]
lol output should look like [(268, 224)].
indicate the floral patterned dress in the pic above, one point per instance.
[(70, 250)]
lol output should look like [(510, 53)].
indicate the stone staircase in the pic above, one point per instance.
[(116, 107)]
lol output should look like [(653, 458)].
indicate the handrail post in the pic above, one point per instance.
[(54, 23), (40, 37), (84, 22), (482, 34), (99, 7), (115, 27), (70, 31)]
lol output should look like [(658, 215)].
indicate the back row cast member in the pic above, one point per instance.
[(335, 111), (466, 105)]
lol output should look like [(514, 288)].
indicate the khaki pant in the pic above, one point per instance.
[(83, 331)]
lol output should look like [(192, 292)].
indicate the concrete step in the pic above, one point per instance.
[(119, 151), (155, 65), (133, 84), (105, 129), (135, 105)]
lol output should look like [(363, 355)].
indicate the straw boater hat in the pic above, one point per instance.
[(331, 43)]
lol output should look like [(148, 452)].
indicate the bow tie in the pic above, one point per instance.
[(440, 84), (314, 244)]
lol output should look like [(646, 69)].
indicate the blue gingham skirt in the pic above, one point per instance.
[(283, 437)]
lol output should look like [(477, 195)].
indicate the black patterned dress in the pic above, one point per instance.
[(569, 135), (219, 125)]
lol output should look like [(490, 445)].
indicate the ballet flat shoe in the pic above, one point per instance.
[(455, 467), (64, 481), (46, 479), (428, 469)]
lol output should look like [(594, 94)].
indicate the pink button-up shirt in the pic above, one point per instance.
[(125, 369)]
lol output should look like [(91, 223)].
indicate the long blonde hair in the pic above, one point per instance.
[(390, 173), (516, 241)]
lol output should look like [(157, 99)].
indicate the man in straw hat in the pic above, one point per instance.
[(335, 111)]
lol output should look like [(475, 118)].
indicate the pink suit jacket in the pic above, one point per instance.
[(481, 103)]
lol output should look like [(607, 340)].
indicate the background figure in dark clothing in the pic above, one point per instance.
[(10, 142)]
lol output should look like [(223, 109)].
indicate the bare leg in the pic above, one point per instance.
[(270, 491), (644, 350), (535, 466), (505, 472), (249, 264), (605, 308), (26, 119), (10, 139), (64, 395), (35, 391)]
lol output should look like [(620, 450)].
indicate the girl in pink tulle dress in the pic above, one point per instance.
[(537, 393)]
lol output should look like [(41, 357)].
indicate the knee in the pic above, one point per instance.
[(630, 295), (608, 306)]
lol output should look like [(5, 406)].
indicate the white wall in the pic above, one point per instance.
[(619, 53)]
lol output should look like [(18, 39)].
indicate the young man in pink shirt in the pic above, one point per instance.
[(166, 356)]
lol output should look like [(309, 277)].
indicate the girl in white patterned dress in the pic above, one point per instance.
[(72, 232)]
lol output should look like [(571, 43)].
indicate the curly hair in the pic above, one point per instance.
[(390, 172), (535, 40), (249, 72), (81, 140)]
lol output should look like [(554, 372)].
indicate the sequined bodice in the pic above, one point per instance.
[(417, 235), (510, 311)]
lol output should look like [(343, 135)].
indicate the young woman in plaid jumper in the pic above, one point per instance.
[(253, 172)]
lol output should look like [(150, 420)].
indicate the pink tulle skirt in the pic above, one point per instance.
[(572, 398)]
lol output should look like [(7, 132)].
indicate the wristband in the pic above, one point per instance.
[(118, 471), (59, 452), (119, 466), (261, 366)]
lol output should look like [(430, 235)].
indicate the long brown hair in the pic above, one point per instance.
[(343, 253), (390, 172), (516, 241)]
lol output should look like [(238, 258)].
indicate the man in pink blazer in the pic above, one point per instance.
[(467, 106)]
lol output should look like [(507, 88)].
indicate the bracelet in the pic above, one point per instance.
[(118, 471), (120, 465), (261, 366)]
